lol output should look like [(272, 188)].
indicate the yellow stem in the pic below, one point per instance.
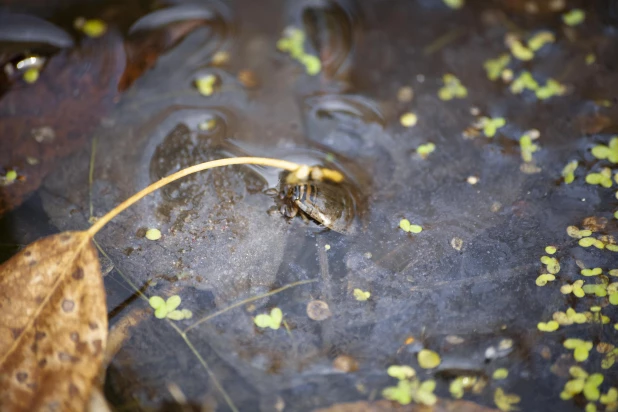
[(281, 164)]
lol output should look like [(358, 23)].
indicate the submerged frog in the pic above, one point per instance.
[(328, 204)]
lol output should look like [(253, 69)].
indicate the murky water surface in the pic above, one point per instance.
[(463, 287)]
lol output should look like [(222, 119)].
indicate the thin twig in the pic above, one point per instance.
[(280, 164), (249, 300), (91, 175)]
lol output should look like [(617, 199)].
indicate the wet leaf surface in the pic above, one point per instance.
[(53, 324)]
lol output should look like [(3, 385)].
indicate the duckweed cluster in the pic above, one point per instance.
[(452, 89), (91, 27), (169, 308), (526, 147), (292, 43), (409, 388), (491, 125), (570, 317), (568, 173), (361, 295), (609, 152), (272, 320), (206, 84), (406, 226), (504, 401), (581, 348)]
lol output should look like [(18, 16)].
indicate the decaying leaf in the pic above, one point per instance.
[(53, 324)]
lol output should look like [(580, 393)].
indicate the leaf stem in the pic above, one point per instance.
[(281, 164)]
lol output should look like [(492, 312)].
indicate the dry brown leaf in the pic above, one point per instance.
[(53, 325)]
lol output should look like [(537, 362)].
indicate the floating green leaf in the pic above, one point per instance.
[(550, 326), (361, 295), (501, 373), (574, 17), (491, 125), (524, 81), (494, 67), (454, 4), (272, 320), (519, 51), (541, 39), (425, 149), (581, 348), (401, 372), (206, 84), (609, 152), (452, 88), (527, 148), (428, 359), (569, 171), (603, 178), (505, 401), (551, 88), (167, 308)]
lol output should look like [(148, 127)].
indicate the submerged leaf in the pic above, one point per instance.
[(53, 324)]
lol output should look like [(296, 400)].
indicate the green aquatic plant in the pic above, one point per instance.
[(553, 266), (361, 295), (568, 173), (292, 42), (581, 348), (540, 39), (406, 226), (504, 401), (574, 17), (491, 125), (603, 178), (425, 149), (494, 67), (550, 326), (575, 288), (527, 148), (428, 359), (609, 152), (452, 89), (569, 317), (542, 280), (500, 373), (169, 308), (401, 372), (582, 382), (550, 89), (206, 84), (524, 81), (272, 320), (576, 233), (592, 272)]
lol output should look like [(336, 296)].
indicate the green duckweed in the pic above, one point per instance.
[(494, 67), (408, 119), (519, 51), (553, 266), (168, 308), (527, 148), (609, 152), (491, 125), (524, 81), (600, 290), (542, 280), (610, 398), (574, 232), (550, 89), (568, 173), (574, 17), (292, 43), (9, 178), (31, 75), (272, 320), (591, 58), (592, 272), (550, 326), (575, 288), (540, 39), (581, 349), (501, 373), (453, 89), (401, 372), (550, 250), (569, 317), (206, 84), (428, 359), (425, 149), (603, 178), (153, 234), (504, 401), (407, 391), (361, 295)]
